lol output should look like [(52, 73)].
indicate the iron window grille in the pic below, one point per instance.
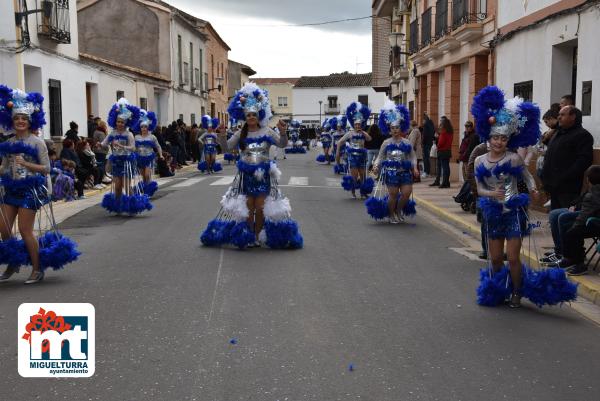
[(441, 18), (54, 21), (55, 107), (414, 37), (524, 90), (426, 27), (468, 11)]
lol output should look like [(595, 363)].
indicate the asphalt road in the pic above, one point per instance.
[(365, 311)]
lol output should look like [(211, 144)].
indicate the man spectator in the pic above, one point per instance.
[(72, 133), (567, 100), (91, 125), (569, 154), (428, 138), (468, 143)]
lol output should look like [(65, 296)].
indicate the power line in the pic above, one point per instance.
[(307, 24)]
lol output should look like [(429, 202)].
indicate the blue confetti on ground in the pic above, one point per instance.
[(233, 341), (351, 367)]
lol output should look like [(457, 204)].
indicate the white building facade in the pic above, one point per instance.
[(317, 98), (548, 49)]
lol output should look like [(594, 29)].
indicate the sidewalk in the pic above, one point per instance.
[(440, 202)]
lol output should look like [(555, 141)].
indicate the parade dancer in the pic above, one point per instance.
[(254, 211), (508, 125), (146, 148), (354, 144), (295, 141), (125, 195), (24, 191), (208, 141), (326, 140), (338, 130), (397, 163)]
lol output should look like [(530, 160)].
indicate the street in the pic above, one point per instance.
[(365, 311)]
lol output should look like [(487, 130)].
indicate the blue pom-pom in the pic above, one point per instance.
[(377, 208), (136, 204), (548, 286), (241, 235), (217, 232), (494, 290), (203, 166), (229, 157), (283, 235), (233, 341), (13, 252), (367, 187), (149, 188), (56, 251), (110, 203), (338, 169), (410, 209), (321, 158), (348, 183), (217, 167)]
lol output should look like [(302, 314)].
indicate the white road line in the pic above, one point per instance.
[(307, 186), (226, 180), (298, 181), (333, 182), (189, 182), (466, 252), (163, 181)]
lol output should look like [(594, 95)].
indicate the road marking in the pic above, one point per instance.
[(333, 182), (163, 181), (298, 181), (466, 252), (189, 182), (226, 180), (212, 304), (307, 186)]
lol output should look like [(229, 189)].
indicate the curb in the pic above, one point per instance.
[(588, 289)]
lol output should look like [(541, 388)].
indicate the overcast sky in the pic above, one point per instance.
[(290, 51)]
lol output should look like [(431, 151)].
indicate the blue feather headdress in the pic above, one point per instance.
[(515, 118), (15, 101), (339, 122), (208, 122), (326, 125), (125, 111), (251, 99), (358, 112), (294, 124), (393, 115), (148, 119)]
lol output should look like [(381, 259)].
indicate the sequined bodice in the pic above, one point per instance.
[(256, 153), (18, 172), (122, 140), (507, 182), (396, 155), (356, 142)]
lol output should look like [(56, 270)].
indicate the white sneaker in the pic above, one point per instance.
[(393, 220), (424, 175), (548, 204), (99, 186)]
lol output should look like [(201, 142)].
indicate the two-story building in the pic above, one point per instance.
[(239, 74), (319, 97), (281, 95)]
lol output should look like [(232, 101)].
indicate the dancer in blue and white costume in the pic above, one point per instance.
[(397, 163), (126, 195), (326, 139), (356, 155), (338, 130), (146, 149), (254, 211), (297, 146), (509, 125), (24, 191), (208, 141)]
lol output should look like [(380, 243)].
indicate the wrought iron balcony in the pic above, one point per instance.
[(426, 27), (414, 37), (332, 109), (441, 18), (54, 21), (468, 12)]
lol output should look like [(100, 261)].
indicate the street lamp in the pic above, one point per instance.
[(219, 85), (320, 104)]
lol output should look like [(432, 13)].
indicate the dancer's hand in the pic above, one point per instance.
[(20, 161), (499, 194), (282, 126), (416, 173), (535, 195)]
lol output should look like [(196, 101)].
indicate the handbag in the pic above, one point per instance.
[(433, 153)]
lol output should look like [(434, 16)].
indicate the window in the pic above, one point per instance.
[(363, 99), (191, 66), (201, 65), (186, 73), (192, 119), (179, 60), (55, 107), (55, 21), (197, 79), (203, 110), (206, 81), (212, 70), (120, 94), (144, 103), (524, 90), (282, 101), (181, 117), (586, 98), (332, 101)]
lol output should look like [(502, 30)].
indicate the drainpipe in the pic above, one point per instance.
[(19, 56)]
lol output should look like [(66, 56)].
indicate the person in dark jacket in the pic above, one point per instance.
[(72, 133), (428, 138), (569, 154), (573, 239), (68, 153), (373, 145), (478, 150)]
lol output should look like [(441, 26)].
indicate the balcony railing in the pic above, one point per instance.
[(441, 18), (426, 28), (468, 12), (54, 21), (332, 109), (414, 37)]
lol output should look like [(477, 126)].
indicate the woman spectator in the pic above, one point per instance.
[(416, 140), (88, 163), (100, 151), (444, 153), (68, 153)]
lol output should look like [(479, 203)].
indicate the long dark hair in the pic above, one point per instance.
[(243, 137), (446, 125), (374, 131)]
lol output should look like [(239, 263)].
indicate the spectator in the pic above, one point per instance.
[(469, 137), (567, 100), (573, 239), (416, 140), (444, 153), (479, 150), (428, 139), (172, 138), (569, 154), (373, 145), (91, 125), (88, 164), (551, 120), (100, 152), (72, 133), (68, 153)]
